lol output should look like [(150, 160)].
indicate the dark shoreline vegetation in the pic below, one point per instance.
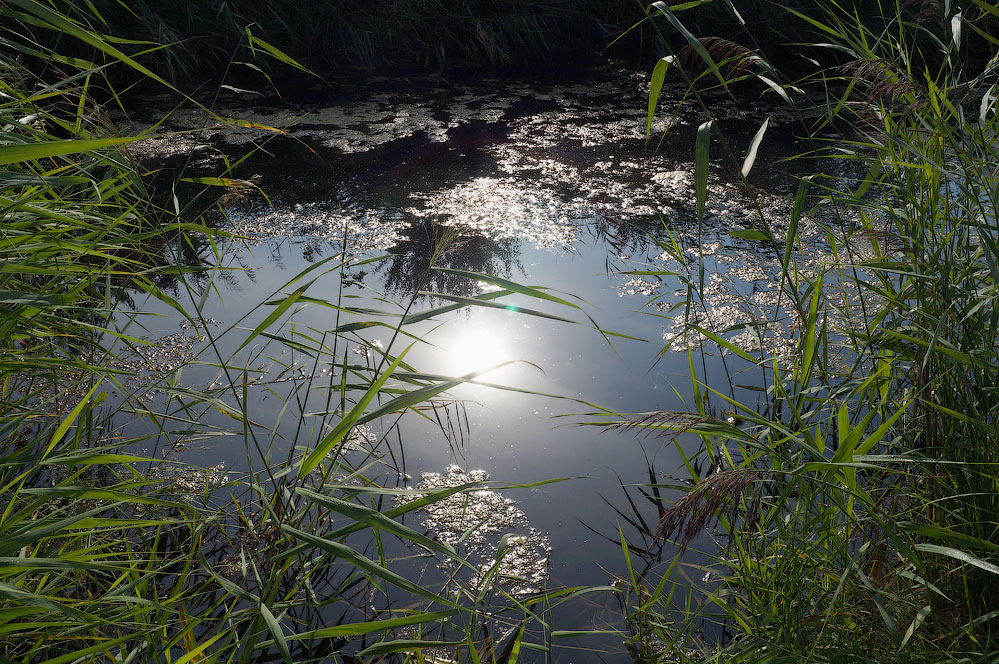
[(855, 506)]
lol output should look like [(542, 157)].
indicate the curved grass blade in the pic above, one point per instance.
[(327, 444), (754, 146), (702, 152), (473, 302), (375, 519), (275, 629), (655, 87), (348, 555), (374, 626), (407, 646), (506, 284)]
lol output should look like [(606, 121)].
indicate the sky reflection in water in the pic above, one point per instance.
[(542, 183)]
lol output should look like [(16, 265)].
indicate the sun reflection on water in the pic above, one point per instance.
[(476, 347)]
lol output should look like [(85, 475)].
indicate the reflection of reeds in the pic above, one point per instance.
[(430, 244), (715, 496)]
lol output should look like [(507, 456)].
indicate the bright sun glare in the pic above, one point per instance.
[(475, 349)]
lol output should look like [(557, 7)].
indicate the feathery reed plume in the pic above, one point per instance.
[(883, 82), (735, 59), (713, 496), (924, 11), (663, 422)]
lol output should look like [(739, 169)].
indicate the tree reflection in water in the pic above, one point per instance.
[(407, 271)]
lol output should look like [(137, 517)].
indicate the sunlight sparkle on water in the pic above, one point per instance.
[(474, 348)]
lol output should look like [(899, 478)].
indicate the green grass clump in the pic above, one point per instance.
[(860, 495)]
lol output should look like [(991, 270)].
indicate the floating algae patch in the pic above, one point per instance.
[(189, 483), (491, 208), (505, 208), (140, 368), (160, 356), (368, 121), (315, 225), (487, 527), (742, 294), (538, 161), (368, 113), (360, 439)]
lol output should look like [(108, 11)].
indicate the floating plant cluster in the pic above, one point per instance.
[(476, 521), (189, 483)]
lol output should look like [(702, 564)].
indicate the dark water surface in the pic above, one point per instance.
[(544, 182)]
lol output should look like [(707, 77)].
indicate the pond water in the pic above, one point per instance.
[(545, 181)]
